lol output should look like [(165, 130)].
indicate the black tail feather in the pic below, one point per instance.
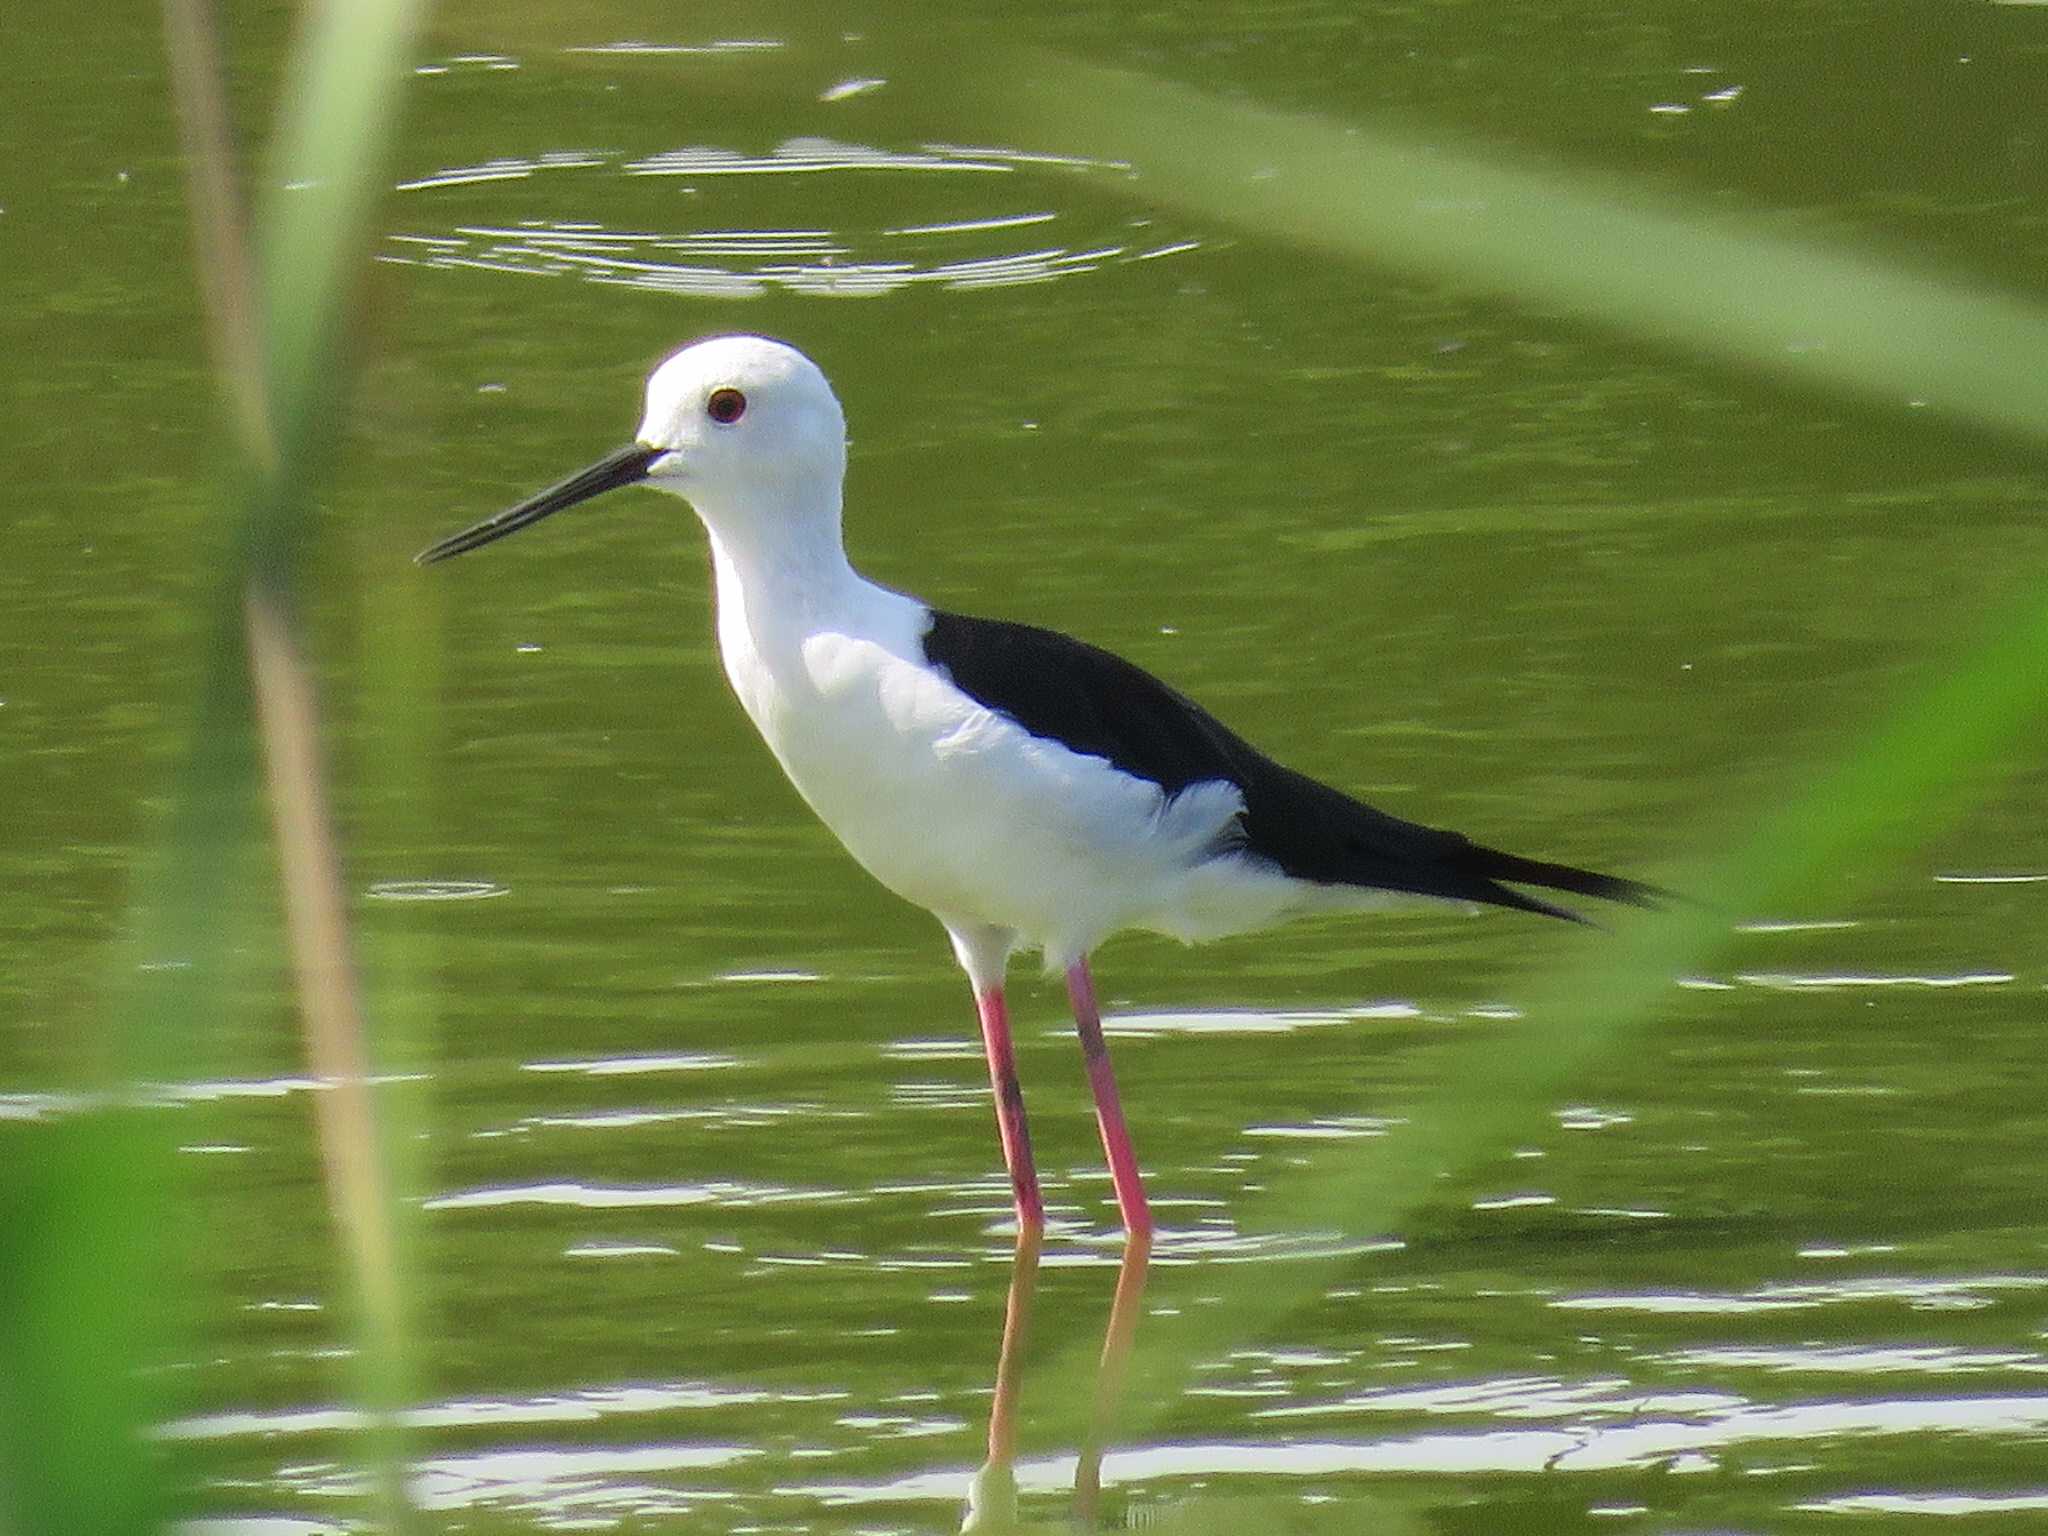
[(1495, 867), (1314, 832)]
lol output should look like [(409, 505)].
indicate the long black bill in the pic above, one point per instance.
[(621, 467)]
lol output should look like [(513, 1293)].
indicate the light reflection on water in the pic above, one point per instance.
[(1930, 1503), (1243, 1021), (559, 1486), (601, 1250), (1617, 1409), (1914, 1291), (647, 1332), (1598, 1426), (435, 890), (1787, 982), (937, 238), (1695, 1444), (1638, 1413), (1852, 1359), (580, 1407), (621, 1066), (746, 1117), (724, 1194)]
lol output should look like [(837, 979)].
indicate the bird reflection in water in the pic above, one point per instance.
[(992, 1495)]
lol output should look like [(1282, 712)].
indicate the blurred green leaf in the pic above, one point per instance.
[(1570, 242)]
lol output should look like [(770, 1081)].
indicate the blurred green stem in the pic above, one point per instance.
[(1644, 265), (280, 354), (1564, 241)]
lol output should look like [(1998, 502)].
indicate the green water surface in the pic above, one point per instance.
[(708, 1226)]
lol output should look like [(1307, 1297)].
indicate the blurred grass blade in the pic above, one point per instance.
[(323, 966), (316, 223), (279, 344), (1646, 266), (333, 143), (78, 1201), (219, 230), (1921, 767), (1589, 247)]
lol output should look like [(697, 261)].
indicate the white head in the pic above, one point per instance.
[(747, 429), (743, 420)]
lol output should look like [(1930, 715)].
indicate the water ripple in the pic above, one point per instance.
[(1956, 1503), (1243, 1021), (804, 155), (1915, 1291), (947, 234), (621, 1066), (1859, 1359), (434, 890), (723, 1193), (1687, 1443), (583, 1406), (1783, 981)]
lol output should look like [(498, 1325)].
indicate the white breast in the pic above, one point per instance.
[(961, 810)]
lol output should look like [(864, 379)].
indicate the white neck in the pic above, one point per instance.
[(785, 548), (781, 573)]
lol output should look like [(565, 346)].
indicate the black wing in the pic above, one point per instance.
[(1101, 705)]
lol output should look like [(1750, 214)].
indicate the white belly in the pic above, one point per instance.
[(962, 811)]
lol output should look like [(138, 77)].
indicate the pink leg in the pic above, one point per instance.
[(1002, 1076), (1109, 1112)]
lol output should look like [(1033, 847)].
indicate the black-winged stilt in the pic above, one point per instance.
[(1030, 791)]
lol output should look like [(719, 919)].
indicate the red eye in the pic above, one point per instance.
[(726, 406)]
